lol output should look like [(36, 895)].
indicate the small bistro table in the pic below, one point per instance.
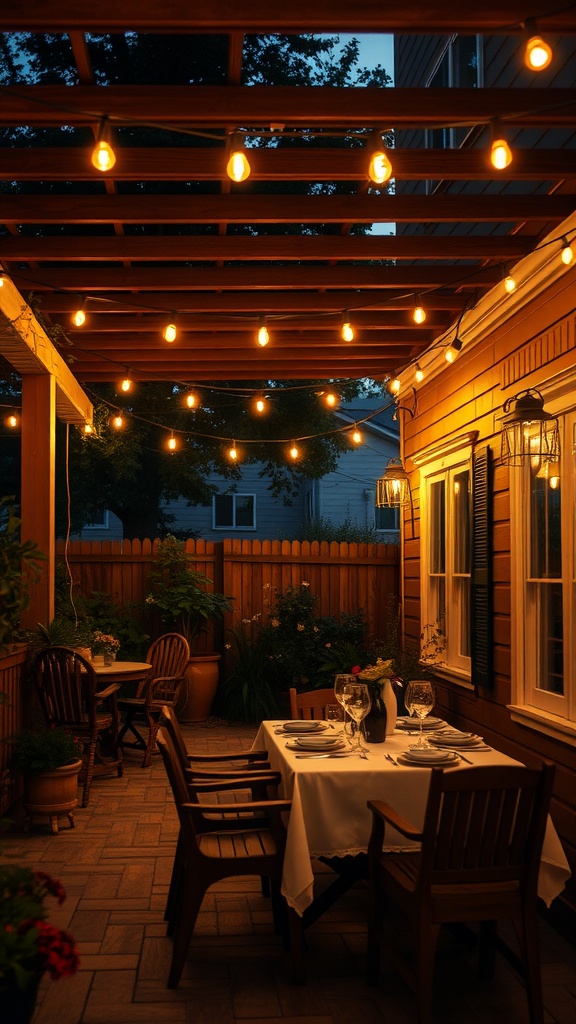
[(122, 671)]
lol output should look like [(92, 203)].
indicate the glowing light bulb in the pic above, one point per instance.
[(509, 284), (103, 156), (263, 336), (356, 436), (233, 452), (12, 420), (567, 254), (453, 350), (379, 168), (1, 280), (419, 314), (331, 399), (346, 331), (294, 453), (238, 167), (172, 443), (79, 318), (191, 400), (170, 332), (260, 405), (126, 384), (118, 421), (537, 53), (88, 428), (500, 154), (418, 374), (394, 386)]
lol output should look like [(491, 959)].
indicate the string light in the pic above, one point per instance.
[(379, 168), (118, 421), (394, 385), (418, 373), (500, 152), (172, 443), (537, 52), (103, 156), (126, 384), (346, 331), (88, 428), (233, 452), (2, 276), (356, 436), (260, 404), (12, 421), (419, 313), (452, 351), (192, 400), (331, 400), (79, 316), (238, 167), (169, 333), (567, 254), (509, 281), (294, 453), (263, 336)]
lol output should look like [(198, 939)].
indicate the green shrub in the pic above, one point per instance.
[(37, 750)]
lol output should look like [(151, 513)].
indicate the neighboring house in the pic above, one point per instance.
[(488, 552), (246, 509)]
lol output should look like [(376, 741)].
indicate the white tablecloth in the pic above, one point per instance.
[(329, 815)]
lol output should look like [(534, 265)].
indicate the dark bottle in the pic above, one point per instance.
[(375, 721)]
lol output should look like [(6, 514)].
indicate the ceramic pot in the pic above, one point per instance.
[(52, 792), (199, 690)]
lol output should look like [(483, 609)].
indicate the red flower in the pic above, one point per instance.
[(52, 885), (355, 670), (57, 949)]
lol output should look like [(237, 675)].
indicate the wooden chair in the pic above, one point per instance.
[(67, 688), (311, 704), (478, 861), (208, 765), (169, 656), (210, 856)]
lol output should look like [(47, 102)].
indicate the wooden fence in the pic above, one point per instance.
[(346, 578)]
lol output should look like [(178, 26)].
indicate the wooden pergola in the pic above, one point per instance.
[(220, 256)]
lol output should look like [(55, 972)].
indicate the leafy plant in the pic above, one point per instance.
[(99, 611), (38, 750), (57, 633), (180, 592), (19, 566), (246, 694)]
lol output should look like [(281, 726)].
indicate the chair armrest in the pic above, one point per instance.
[(107, 692), (387, 813), (240, 782), (235, 755)]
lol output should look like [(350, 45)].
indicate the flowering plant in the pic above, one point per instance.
[(373, 674), (29, 945), (104, 643)]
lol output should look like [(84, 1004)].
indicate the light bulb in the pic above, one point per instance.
[(294, 453), (453, 350), (192, 400), (500, 154), (379, 168), (394, 386), (419, 374), (537, 53), (88, 428), (170, 332), (331, 400), (347, 331), (263, 336), (509, 284), (126, 384), (172, 443), (79, 318), (238, 167), (233, 452), (103, 156), (118, 421), (356, 436), (12, 420), (260, 405), (1, 280), (567, 254), (419, 314)]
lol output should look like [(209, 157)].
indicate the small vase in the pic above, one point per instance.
[(389, 698), (108, 658), (376, 719)]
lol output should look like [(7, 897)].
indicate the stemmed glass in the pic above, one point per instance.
[(357, 703), (419, 700), (341, 680)]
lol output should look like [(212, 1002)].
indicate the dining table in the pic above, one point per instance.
[(330, 818), (122, 671)]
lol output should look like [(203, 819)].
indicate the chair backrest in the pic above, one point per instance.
[(311, 704), (66, 684), (170, 723), (169, 656), (485, 825)]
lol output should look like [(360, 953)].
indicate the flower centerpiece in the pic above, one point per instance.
[(381, 719), (29, 945), (106, 644)]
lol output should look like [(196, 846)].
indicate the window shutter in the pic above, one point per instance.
[(482, 587)]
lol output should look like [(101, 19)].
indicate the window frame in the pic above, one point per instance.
[(234, 495), (104, 525), (443, 462), (543, 710)]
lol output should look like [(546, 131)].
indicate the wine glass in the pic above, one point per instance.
[(419, 701), (341, 680), (357, 703), (333, 713)]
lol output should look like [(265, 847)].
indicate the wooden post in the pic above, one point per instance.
[(38, 486)]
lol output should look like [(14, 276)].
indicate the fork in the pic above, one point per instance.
[(391, 759)]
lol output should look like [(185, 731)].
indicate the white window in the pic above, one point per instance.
[(387, 519), (234, 512), (100, 521), (543, 558), (445, 552)]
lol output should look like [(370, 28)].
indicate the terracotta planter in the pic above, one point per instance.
[(52, 793), (199, 689)]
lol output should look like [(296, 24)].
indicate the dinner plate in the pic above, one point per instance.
[(309, 743), (435, 758), (303, 726), (454, 739), (412, 723)]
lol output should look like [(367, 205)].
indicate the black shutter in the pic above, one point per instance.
[(482, 599)]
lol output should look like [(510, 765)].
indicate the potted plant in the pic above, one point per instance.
[(185, 603), (29, 945), (105, 645), (60, 632), (50, 760)]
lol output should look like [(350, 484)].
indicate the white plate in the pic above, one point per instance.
[(412, 723), (303, 726), (455, 740), (440, 758), (308, 744)]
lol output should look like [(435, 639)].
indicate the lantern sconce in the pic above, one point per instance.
[(393, 487), (529, 433), (406, 408)]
